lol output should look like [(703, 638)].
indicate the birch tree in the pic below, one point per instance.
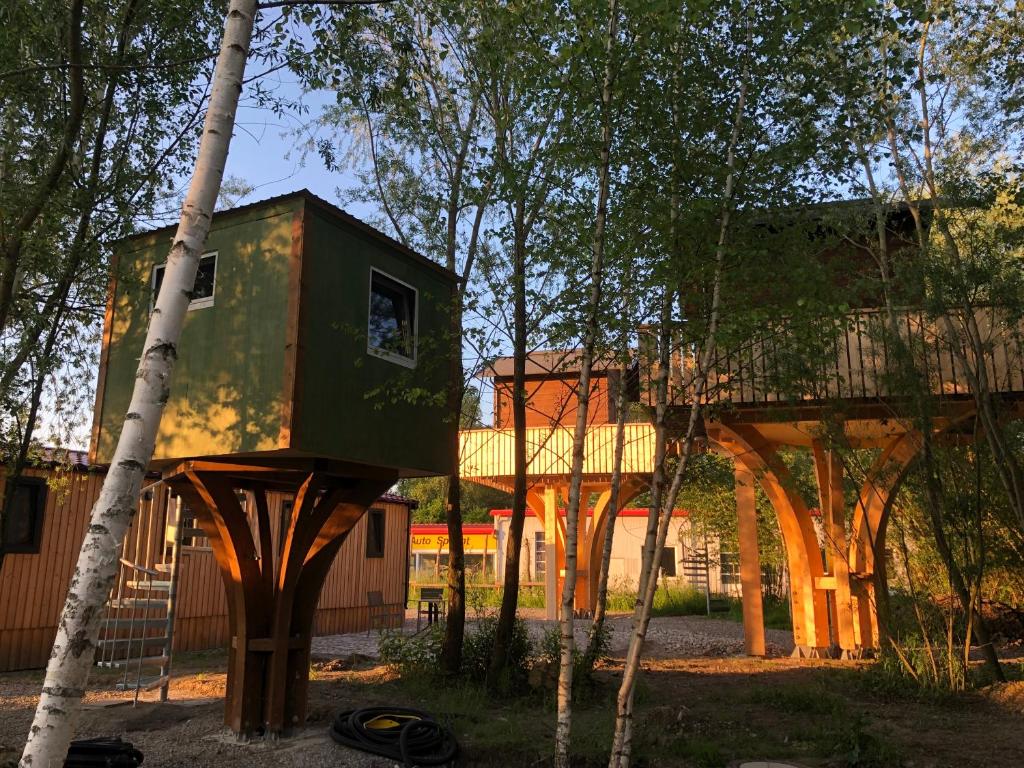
[(77, 632), (586, 361)]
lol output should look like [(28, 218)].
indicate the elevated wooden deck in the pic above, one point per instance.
[(848, 361)]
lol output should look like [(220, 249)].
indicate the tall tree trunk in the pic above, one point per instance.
[(601, 607), (455, 624), (514, 545), (563, 727), (77, 632), (624, 718)]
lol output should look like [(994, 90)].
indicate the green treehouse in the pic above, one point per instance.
[(314, 361)]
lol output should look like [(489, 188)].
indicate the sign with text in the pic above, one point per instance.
[(434, 542)]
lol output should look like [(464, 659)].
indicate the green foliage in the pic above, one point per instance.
[(412, 656), (476, 653), (419, 656), (432, 495)]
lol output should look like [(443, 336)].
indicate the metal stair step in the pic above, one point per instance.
[(116, 641), (138, 602), (146, 660), (156, 586), (192, 533), (145, 684), (137, 623), (162, 567)]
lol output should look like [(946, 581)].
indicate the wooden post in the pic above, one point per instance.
[(271, 608), (551, 559), (750, 562), (829, 470)]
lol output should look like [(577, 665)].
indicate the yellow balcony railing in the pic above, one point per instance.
[(489, 453)]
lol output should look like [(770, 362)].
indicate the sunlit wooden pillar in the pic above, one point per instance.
[(581, 595), (828, 468), (553, 564), (750, 562)]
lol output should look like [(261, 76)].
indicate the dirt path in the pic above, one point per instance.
[(700, 711)]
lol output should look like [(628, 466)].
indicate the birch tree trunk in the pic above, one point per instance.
[(75, 643), (600, 609), (624, 717), (563, 725)]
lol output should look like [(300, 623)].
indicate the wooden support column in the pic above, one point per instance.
[(271, 609), (750, 562), (759, 456), (552, 562), (828, 468)]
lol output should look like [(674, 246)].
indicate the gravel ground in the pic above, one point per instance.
[(668, 637), (188, 731)]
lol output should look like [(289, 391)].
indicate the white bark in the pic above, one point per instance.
[(563, 726), (621, 741), (75, 643)]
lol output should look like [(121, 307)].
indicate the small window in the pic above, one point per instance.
[(540, 553), (23, 518), (205, 285), (729, 563), (391, 331), (375, 533)]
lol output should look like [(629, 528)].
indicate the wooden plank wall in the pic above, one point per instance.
[(33, 587), (488, 453)]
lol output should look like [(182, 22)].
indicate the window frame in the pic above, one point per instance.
[(34, 546), (372, 552), (387, 354), (203, 303)]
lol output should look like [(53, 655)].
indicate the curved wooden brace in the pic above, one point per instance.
[(630, 488), (758, 456), (877, 493), (271, 614)]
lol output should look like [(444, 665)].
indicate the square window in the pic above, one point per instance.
[(23, 523), (205, 285), (391, 331), (729, 564), (375, 533)]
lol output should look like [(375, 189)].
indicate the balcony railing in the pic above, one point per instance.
[(489, 453), (853, 359)]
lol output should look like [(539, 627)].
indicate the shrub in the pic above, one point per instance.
[(477, 647), (412, 656)]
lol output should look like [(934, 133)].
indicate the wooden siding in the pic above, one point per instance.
[(552, 401), (488, 453), (848, 359), (33, 587)]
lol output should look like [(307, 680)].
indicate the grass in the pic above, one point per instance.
[(669, 600), (703, 717)]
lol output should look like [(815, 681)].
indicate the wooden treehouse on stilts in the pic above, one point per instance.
[(307, 336), (754, 410)]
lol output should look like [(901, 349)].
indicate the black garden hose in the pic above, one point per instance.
[(103, 752), (399, 733)]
